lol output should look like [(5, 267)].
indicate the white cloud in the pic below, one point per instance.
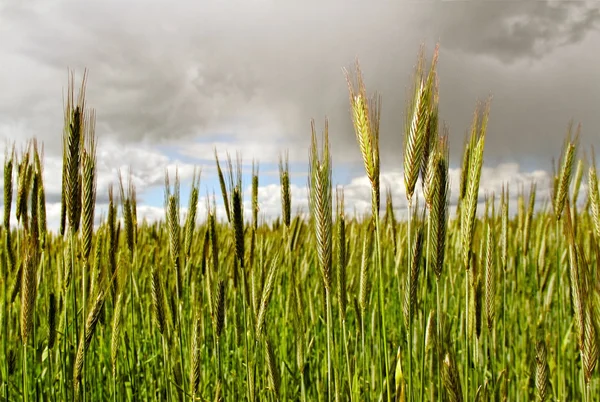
[(170, 72), (357, 193)]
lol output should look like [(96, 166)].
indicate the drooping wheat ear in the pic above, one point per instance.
[(75, 119), (267, 292), (51, 320), (196, 357), (561, 187), (469, 209), (190, 223), (366, 115), (158, 301), (542, 376), (321, 200), (28, 295), (89, 185), (417, 122), (451, 378), (218, 312), (341, 254), (594, 195), (439, 185), (286, 196), (490, 280), (412, 279), (223, 188), (9, 158), (273, 371), (84, 343), (40, 200)]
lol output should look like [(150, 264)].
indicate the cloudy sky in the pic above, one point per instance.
[(172, 80)]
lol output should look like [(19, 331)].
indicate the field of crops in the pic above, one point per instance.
[(453, 304)]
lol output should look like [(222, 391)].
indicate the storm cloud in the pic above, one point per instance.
[(251, 72), (172, 80)]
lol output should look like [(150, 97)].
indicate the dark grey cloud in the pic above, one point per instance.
[(256, 72), (514, 30)]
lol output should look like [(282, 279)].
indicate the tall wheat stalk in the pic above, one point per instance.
[(366, 115), (468, 213), (321, 212), (559, 197), (419, 112), (75, 120)]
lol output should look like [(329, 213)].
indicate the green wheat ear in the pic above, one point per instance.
[(284, 180), (366, 115), (75, 119), (563, 180), (420, 109), (469, 203), (321, 201)]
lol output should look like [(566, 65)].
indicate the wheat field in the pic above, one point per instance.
[(455, 303)]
